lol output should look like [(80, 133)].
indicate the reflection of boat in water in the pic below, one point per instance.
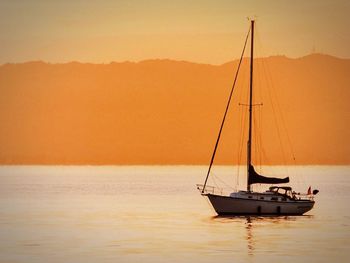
[(256, 228), (274, 201), (250, 240)]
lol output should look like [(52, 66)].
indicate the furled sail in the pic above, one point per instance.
[(255, 178)]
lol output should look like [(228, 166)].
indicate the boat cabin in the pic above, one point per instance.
[(275, 193), (284, 191)]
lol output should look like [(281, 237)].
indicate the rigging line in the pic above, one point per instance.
[(279, 110), (267, 76), (227, 106), (242, 115), (286, 132), (257, 142), (238, 145), (256, 148), (260, 110), (260, 135), (240, 142), (284, 126), (243, 131), (222, 181), (259, 118), (214, 180), (259, 45), (275, 116), (242, 112), (255, 122)]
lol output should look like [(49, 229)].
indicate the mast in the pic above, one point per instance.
[(249, 144)]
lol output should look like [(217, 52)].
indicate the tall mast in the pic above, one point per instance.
[(249, 144)]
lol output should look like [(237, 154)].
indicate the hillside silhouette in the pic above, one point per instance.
[(169, 112)]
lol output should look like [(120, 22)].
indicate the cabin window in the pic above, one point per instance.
[(262, 198), (274, 198), (249, 196)]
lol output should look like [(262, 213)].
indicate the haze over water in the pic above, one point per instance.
[(146, 82), (155, 214)]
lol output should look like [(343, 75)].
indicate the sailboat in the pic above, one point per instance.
[(276, 200)]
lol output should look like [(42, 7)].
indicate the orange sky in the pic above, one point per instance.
[(200, 30)]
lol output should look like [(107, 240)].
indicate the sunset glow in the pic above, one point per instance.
[(199, 31), (174, 131)]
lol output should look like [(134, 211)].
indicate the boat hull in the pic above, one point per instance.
[(227, 205)]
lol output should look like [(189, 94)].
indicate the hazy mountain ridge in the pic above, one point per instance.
[(167, 112)]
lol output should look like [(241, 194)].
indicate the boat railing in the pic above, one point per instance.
[(306, 196), (209, 189)]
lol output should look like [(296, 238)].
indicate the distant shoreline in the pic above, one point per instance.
[(148, 60), (169, 112)]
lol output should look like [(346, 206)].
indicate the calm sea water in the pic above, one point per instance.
[(155, 214)]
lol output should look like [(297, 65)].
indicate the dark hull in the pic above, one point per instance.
[(226, 205)]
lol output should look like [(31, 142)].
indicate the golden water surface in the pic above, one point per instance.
[(155, 214)]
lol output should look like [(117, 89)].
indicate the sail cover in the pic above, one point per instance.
[(255, 178)]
